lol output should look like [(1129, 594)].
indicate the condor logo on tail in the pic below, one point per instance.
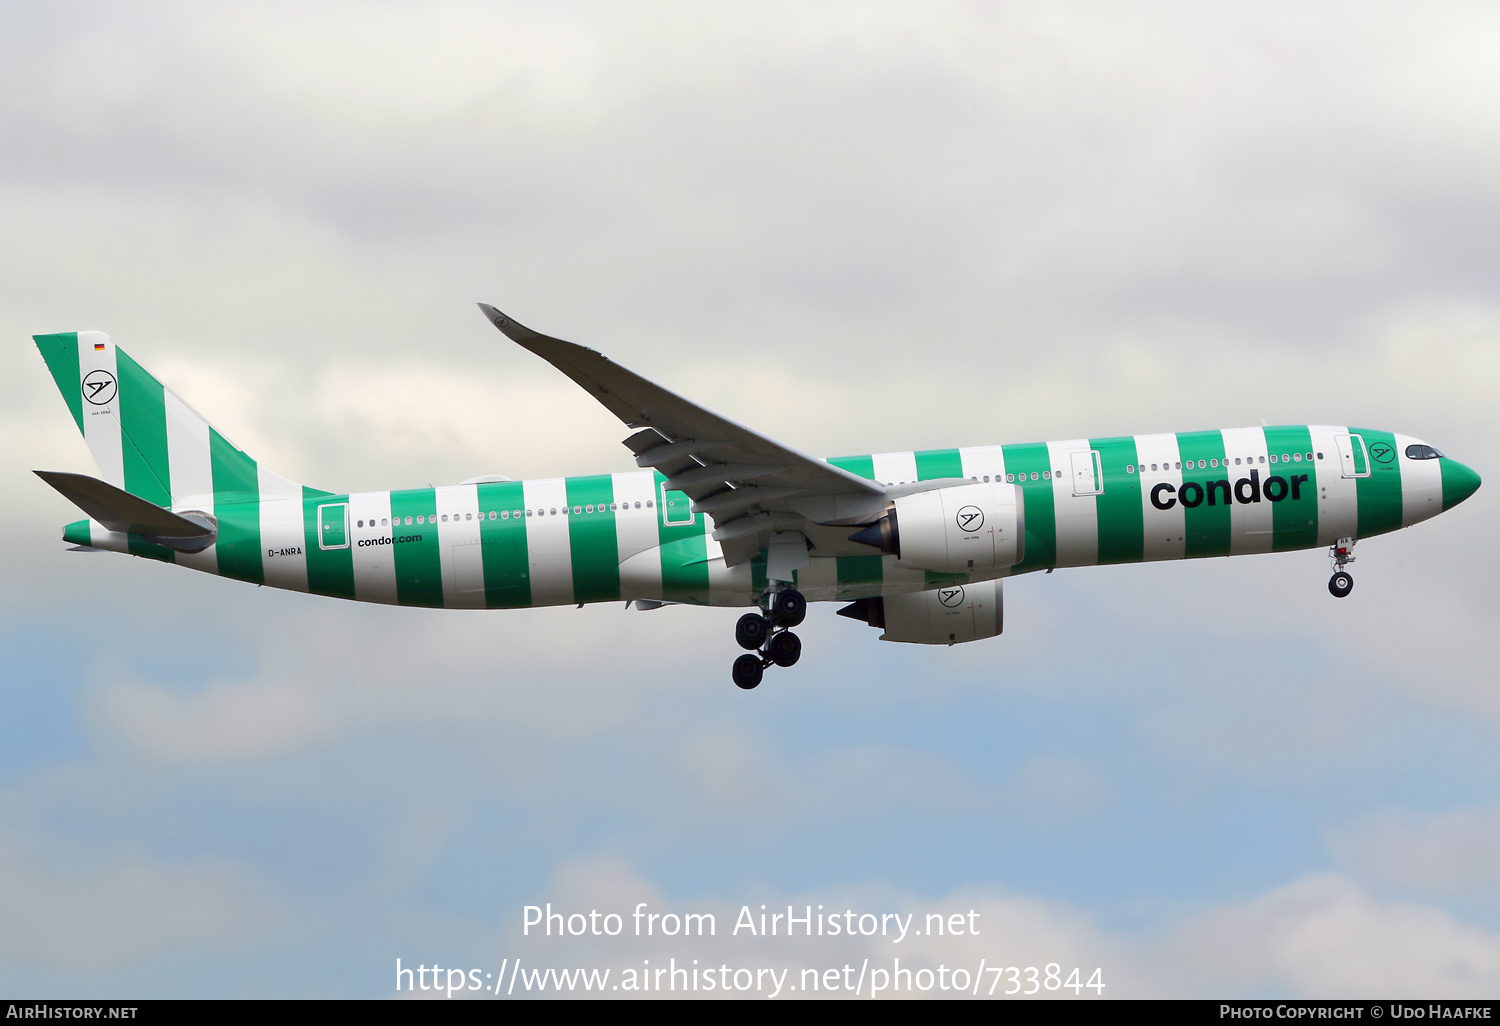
[(1246, 490)]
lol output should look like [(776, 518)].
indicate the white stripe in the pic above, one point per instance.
[(983, 461), (899, 580), (281, 533), (458, 541), (374, 557), (1077, 516), (101, 422), (1338, 496), (818, 581), (548, 550), (191, 472), (637, 535), (188, 461), (1249, 522), (1421, 484), (1164, 529), (101, 537), (895, 467)]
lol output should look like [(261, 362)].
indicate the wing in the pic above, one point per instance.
[(749, 484)]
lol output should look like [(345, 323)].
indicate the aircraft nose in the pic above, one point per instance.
[(1459, 482)]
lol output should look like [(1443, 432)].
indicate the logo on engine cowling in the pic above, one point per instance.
[(951, 597), (970, 518)]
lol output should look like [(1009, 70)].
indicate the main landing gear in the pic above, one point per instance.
[(1342, 582), (768, 636)]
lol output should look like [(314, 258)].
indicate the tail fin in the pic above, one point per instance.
[(143, 437)]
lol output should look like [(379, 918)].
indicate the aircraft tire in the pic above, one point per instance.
[(748, 672), (785, 649), (751, 631), (791, 608), (1340, 584)]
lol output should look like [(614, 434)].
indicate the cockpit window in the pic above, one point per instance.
[(1422, 452)]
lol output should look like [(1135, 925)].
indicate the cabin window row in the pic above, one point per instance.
[(1286, 457), (507, 514)]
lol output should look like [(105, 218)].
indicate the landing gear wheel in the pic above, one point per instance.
[(791, 608), (1340, 584), (785, 649), (751, 631), (748, 671)]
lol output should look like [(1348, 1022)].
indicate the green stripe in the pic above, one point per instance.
[(592, 539), (330, 571), (1207, 523), (143, 430), (139, 546), (936, 463), (1459, 482), (1294, 518), (61, 353), (864, 466), (507, 574), (237, 509), (1122, 529), (1041, 521), (419, 559), (1380, 493), (684, 556)]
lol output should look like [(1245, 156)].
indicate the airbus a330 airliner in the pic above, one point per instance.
[(916, 543)]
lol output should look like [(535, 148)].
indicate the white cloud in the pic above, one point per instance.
[(106, 913), (1454, 853), (219, 723)]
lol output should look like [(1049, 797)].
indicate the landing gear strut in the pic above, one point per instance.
[(768, 636), (1342, 554)]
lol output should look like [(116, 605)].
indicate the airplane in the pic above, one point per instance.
[(918, 544)]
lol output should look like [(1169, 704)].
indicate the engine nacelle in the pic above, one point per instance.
[(970, 528), (944, 616)]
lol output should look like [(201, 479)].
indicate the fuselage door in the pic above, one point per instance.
[(1352, 458), (333, 526), (1087, 476)]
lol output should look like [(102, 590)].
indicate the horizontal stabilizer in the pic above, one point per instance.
[(118, 510)]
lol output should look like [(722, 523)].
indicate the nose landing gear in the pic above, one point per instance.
[(1342, 554), (768, 636)]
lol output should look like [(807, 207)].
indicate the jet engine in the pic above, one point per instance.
[(970, 528), (949, 615)]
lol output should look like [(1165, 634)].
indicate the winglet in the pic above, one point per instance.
[(512, 330)]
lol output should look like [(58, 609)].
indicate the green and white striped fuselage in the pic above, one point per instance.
[(612, 537), (560, 541)]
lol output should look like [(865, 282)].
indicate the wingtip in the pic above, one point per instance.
[(509, 327)]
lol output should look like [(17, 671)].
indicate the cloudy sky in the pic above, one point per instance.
[(858, 227)]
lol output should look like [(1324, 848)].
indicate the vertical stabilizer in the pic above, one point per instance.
[(153, 445), (143, 437)]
